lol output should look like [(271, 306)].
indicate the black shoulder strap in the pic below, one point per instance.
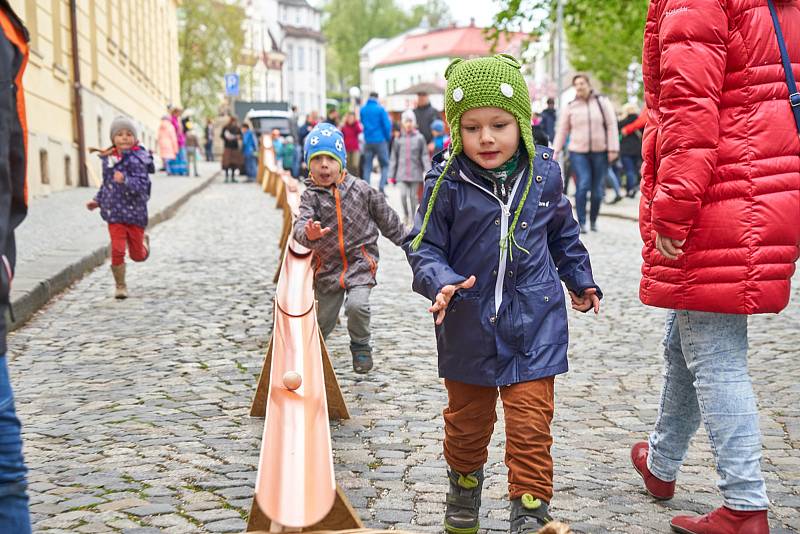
[(794, 96), (602, 114)]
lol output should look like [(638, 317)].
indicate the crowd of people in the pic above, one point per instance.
[(494, 242)]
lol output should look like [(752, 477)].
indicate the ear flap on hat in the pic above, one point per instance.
[(508, 59), (452, 64)]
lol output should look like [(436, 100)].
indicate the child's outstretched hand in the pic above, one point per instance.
[(314, 230), (119, 177), (439, 307), (92, 205), (587, 301)]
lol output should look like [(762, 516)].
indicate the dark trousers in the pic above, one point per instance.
[(631, 164)]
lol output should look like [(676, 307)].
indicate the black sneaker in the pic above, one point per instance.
[(463, 502), (362, 362), (528, 515)]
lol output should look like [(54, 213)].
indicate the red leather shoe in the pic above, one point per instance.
[(657, 488), (723, 521)]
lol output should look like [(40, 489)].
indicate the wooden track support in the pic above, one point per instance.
[(341, 517), (337, 408)]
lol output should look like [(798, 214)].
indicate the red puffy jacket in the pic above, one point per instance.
[(721, 156)]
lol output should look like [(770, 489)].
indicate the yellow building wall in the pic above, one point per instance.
[(128, 52)]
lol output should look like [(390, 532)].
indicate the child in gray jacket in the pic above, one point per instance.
[(408, 164), (339, 220)]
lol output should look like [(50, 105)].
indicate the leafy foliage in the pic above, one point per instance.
[(603, 37), (210, 40), (350, 24)]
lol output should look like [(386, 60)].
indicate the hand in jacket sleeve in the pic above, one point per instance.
[(429, 262), (307, 215), (569, 254), (688, 100), (386, 218)]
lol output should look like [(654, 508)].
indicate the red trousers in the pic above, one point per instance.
[(528, 407), (126, 237)]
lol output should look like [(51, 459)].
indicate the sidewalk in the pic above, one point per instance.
[(59, 240)]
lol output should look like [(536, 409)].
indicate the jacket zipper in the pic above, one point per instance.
[(504, 218), (340, 232)]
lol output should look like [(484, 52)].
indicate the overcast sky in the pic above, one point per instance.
[(462, 10)]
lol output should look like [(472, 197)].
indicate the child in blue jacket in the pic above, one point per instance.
[(495, 239)]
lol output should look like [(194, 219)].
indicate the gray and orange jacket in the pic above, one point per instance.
[(348, 255), (13, 148)]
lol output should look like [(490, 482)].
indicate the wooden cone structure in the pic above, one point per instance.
[(341, 517), (337, 408)]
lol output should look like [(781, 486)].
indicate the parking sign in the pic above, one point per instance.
[(231, 85)]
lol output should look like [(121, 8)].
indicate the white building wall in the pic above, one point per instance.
[(393, 78), (304, 72)]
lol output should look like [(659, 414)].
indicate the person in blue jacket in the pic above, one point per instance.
[(496, 237), (377, 134), (250, 152)]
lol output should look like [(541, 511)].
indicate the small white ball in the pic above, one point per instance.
[(292, 380), (458, 94), (507, 90)]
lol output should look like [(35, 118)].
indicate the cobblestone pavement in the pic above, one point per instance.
[(135, 412)]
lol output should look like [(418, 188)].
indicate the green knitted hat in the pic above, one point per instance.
[(494, 82)]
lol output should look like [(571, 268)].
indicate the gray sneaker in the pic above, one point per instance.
[(463, 502), (528, 515)]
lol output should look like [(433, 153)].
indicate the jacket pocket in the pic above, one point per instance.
[(373, 265), (544, 314), (464, 333)]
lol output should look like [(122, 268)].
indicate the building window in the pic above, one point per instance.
[(301, 59), (319, 62), (67, 170), (44, 167), (31, 21), (303, 101), (290, 58), (297, 17), (58, 47), (99, 130)]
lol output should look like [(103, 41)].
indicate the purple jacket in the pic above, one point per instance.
[(126, 203)]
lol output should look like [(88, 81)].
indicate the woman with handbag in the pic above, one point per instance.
[(721, 228), (589, 122)]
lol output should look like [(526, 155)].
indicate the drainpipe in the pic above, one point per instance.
[(83, 179)]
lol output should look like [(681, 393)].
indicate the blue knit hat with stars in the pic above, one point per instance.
[(325, 138)]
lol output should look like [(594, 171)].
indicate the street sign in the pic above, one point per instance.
[(231, 85)]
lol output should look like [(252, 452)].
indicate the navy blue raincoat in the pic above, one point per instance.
[(511, 326)]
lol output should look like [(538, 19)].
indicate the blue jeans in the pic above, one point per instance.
[(251, 167), (612, 179), (298, 158), (14, 516), (370, 151), (591, 169), (631, 165), (706, 380)]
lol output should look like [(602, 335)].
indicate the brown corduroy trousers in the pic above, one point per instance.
[(528, 407)]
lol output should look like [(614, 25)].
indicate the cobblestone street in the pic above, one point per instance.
[(135, 413)]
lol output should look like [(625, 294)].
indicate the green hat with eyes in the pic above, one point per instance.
[(495, 82)]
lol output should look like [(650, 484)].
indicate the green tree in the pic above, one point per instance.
[(603, 37), (350, 24), (210, 41)]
